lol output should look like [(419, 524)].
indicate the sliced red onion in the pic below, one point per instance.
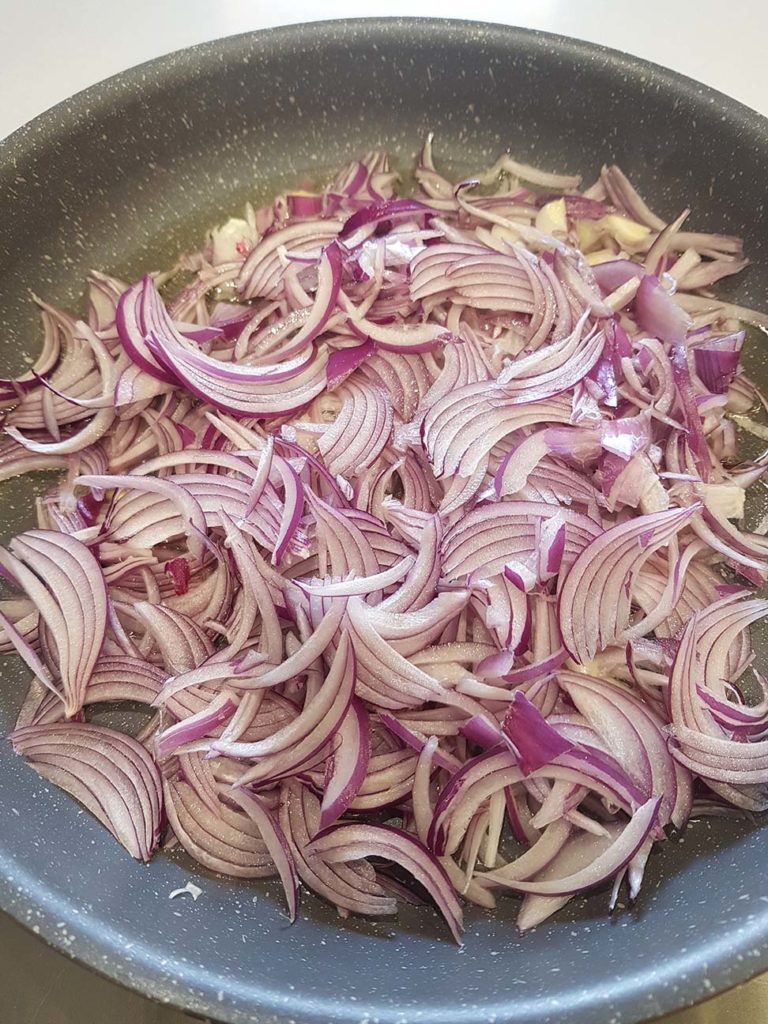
[(301, 204), (254, 577), (471, 275), (16, 460), (577, 207), (534, 860), (260, 274), (196, 726), (334, 599), (463, 428), (500, 665), (17, 642), (344, 843), (386, 678), (112, 775), (293, 507), (400, 337), (292, 746), (636, 735), (703, 744), (536, 742), (360, 433), (389, 780), (360, 587), (77, 376), (259, 676), (479, 778), (415, 741), (118, 678), (349, 763), (58, 330), (577, 443), (581, 849), (412, 631), (182, 644), (717, 361), (326, 298), (347, 889), (343, 546), (178, 570), (243, 390), (493, 771), (64, 580), (105, 412), (658, 314), (225, 841), (489, 537), (606, 865), (406, 379), (594, 601), (623, 194), (508, 615), (275, 842), (191, 513), (343, 362), (388, 210), (139, 312)]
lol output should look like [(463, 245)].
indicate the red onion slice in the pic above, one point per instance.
[(636, 735), (95, 430), (292, 746), (703, 744), (349, 763), (344, 843), (260, 273), (606, 865), (139, 311), (489, 537), (347, 889), (112, 775), (360, 433), (594, 601), (535, 742), (225, 841), (275, 842), (65, 581)]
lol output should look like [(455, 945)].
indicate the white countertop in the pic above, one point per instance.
[(51, 49)]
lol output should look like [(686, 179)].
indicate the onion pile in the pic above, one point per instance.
[(415, 524)]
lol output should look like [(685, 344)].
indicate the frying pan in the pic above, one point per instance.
[(124, 176)]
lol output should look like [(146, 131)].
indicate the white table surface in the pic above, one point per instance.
[(50, 49)]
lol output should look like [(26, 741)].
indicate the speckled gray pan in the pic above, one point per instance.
[(125, 175)]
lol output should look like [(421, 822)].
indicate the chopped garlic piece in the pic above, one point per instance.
[(725, 500), (626, 232), (551, 218), (601, 256), (588, 233)]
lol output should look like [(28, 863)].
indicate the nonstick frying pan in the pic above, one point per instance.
[(130, 172)]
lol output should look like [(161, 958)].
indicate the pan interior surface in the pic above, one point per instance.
[(123, 178)]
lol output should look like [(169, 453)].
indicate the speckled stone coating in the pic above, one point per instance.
[(128, 173)]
